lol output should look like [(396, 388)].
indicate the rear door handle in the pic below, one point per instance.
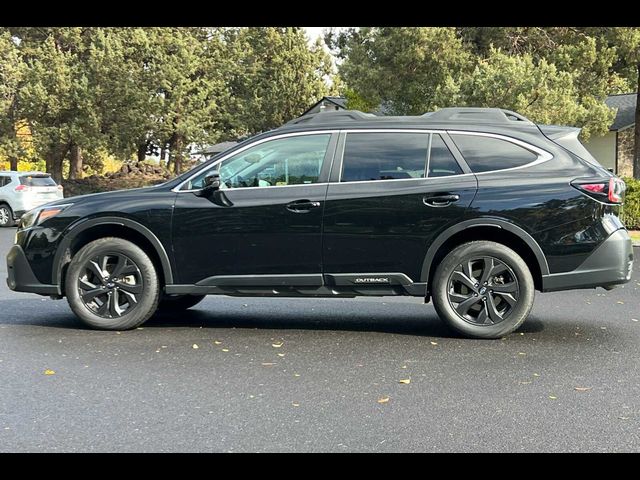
[(443, 200), (302, 206)]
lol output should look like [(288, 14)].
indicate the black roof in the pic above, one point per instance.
[(337, 101), (626, 105)]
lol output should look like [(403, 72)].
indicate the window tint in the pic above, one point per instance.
[(3, 181), (441, 161), (37, 181), (384, 156), (488, 153), (286, 161)]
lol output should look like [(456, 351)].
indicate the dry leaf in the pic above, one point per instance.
[(619, 302), (295, 404), (217, 342), (49, 372), (195, 346), (404, 366), (521, 353), (383, 400), (582, 389), (525, 383), (405, 381), (267, 364), (296, 374), (433, 343), (536, 374), (553, 397), (225, 349), (277, 345), (281, 354), (634, 319)]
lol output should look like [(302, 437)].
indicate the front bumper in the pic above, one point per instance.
[(21, 278), (610, 264)]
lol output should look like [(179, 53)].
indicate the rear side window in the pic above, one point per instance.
[(483, 154), (384, 156), (4, 181), (441, 161), (37, 181)]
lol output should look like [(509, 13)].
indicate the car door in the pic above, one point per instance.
[(263, 227), (391, 194)]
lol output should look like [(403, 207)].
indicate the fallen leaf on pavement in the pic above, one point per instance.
[(525, 383), (433, 343), (536, 374), (383, 400), (281, 354), (634, 319), (296, 374), (405, 381), (277, 345), (295, 404), (553, 397), (582, 389), (195, 346), (217, 342), (521, 353), (225, 349), (267, 364), (49, 372), (621, 303)]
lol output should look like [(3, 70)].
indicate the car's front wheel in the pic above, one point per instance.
[(483, 289), (112, 284)]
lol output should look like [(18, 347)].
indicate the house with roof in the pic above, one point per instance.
[(614, 150)]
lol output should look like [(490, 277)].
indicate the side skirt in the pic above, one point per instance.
[(329, 285)]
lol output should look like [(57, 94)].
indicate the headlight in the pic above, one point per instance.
[(39, 215)]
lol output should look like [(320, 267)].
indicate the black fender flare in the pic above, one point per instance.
[(75, 229), (483, 222)]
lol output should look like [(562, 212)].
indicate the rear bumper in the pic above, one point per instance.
[(20, 276), (610, 264)]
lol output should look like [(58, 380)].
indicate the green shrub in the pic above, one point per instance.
[(630, 212)]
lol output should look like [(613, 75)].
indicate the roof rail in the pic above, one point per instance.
[(461, 114), (332, 116)]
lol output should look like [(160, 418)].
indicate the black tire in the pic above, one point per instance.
[(477, 309), (121, 302), (177, 303), (6, 216)]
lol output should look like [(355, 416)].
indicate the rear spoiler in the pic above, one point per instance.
[(567, 137)]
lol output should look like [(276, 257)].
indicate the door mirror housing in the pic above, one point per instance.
[(211, 183)]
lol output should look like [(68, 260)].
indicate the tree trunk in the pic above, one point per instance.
[(179, 154), (636, 150), (75, 162), (163, 152), (54, 158), (142, 151), (13, 163)]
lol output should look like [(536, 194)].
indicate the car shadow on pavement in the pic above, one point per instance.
[(359, 316)]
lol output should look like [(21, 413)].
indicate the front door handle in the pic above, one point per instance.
[(443, 200), (302, 206)]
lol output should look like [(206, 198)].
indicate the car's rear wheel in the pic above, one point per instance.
[(177, 303), (483, 289), (6, 216), (112, 284)]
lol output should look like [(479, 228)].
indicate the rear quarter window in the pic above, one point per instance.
[(484, 154)]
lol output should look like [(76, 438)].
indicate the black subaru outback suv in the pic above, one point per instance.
[(474, 208)]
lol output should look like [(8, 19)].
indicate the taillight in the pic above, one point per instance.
[(616, 190), (610, 190), (21, 188)]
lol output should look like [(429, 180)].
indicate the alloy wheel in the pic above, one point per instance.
[(110, 285), (4, 215), (483, 290)]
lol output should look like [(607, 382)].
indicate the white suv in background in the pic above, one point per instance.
[(22, 191)]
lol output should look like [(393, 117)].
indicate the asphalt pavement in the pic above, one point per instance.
[(250, 374)]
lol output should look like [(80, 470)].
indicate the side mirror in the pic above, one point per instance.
[(211, 183)]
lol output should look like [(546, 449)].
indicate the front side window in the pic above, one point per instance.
[(483, 154), (285, 161), (384, 156)]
